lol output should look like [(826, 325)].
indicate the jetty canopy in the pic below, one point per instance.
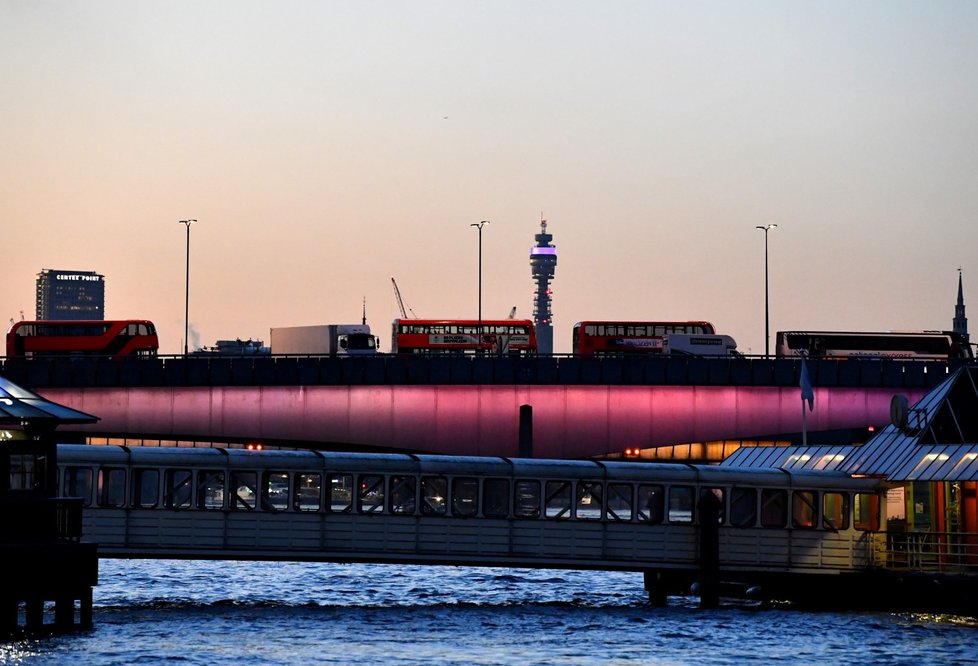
[(20, 407), (936, 441)]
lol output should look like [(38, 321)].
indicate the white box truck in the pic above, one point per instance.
[(324, 340)]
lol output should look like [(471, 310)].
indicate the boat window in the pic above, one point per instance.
[(245, 486), (275, 492), (495, 498), (371, 496), (341, 493), (145, 488), (403, 495), (176, 490), (803, 507), (210, 490), (743, 507), (78, 483), (526, 499), (619, 501), (558, 499), (112, 486), (308, 492), (589, 499), (867, 509), (465, 497), (681, 504), (774, 508), (434, 491), (651, 504), (835, 511)]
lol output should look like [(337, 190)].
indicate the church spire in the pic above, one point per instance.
[(960, 321)]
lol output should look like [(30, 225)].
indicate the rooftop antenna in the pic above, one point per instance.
[(364, 320)]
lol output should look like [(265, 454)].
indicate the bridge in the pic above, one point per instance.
[(471, 406)]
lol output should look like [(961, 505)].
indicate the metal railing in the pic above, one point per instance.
[(941, 552), (274, 370)]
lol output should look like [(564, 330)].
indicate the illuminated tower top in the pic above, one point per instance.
[(543, 263)]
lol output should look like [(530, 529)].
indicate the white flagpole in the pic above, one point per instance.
[(804, 424)]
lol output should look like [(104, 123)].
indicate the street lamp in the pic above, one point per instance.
[(767, 318), (479, 225), (186, 310)]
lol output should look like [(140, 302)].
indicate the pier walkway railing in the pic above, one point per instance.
[(938, 552)]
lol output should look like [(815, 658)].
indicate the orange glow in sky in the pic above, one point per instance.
[(324, 147)]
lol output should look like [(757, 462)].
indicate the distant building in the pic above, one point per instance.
[(543, 265), (70, 295)]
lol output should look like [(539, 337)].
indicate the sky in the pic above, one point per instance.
[(324, 147)]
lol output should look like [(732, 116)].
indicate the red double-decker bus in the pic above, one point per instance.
[(631, 337), (128, 337), (502, 337)]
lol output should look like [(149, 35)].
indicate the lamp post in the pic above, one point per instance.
[(767, 318), (479, 225), (186, 302)]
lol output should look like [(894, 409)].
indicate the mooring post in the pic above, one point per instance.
[(526, 431), (656, 588), (709, 514)]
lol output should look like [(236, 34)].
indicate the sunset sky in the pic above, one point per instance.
[(325, 147)]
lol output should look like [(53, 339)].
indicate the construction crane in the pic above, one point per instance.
[(400, 302)]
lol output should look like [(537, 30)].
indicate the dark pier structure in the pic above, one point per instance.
[(48, 573)]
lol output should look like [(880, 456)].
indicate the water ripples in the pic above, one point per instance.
[(155, 612)]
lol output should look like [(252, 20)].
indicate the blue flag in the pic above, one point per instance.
[(807, 393)]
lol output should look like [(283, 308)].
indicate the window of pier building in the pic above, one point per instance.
[(245, 486), (526, 499), (112, 486), (681, 505), (178, 484), (370, 498), (495, 498), (341, 493), (804, 508), (78, 483), (867, 512), (145, 488), (275, 491), (774, 508), (743, 507), (651, 503), (308, 492), (589, 499), (434, 494), (210, 490), (402, 495), (619, 502), (26, 471), (835, 511), (465, 497), (558, 499)]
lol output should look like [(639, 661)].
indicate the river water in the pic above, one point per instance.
[(177, 612)]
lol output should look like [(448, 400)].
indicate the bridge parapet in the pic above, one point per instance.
[(179, 371)]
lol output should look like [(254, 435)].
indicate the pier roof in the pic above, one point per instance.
[(935, 440), (18, 406)]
